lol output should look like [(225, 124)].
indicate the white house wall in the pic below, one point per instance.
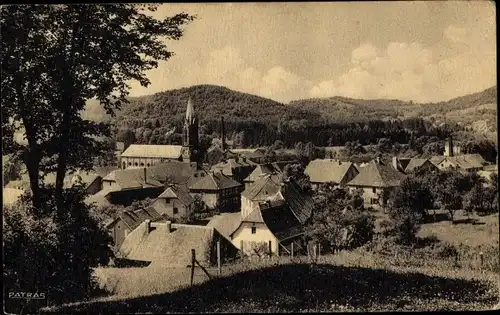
[(262, 235)]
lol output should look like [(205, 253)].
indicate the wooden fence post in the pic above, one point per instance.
[(193, 259), (292, 251), (315, 255), (270, 253), (219, 271), (481, 258)]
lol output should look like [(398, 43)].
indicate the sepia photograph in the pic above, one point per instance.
[(250, 157)]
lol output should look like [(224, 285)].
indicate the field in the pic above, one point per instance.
[(366, 279)]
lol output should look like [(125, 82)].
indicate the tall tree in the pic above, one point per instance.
[(58, 56)]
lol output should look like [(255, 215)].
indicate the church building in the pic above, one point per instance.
[(147, 155)]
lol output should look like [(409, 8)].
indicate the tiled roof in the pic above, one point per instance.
[(98, 199), (377, 174), (229, 165), (327, 170), (437, 159), (153, 151), (134, 218), (415, 163), (177, 192), (84, 177), (263, 188), (215, 181), (268, 168), (226, 223), (173, 248), (301, 205), (181, 173), (280, 220), (133, 178)]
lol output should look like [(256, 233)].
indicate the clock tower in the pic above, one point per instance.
[(190, 142)]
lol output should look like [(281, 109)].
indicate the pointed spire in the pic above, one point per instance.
[(190, 110)]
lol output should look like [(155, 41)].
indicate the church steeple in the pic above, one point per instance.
[(190, 116), (190, 144)]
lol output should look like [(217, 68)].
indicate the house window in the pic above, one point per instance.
[(129, 164), (374, 201), (176, 210), (148, 165), (135, 164), (110, 183), (167, 200), (254, 229), (142, 164), (374, 190), (202, 175), (195, 175)]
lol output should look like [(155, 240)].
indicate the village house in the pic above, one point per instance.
[(237, 168), (464, 162), (278, 222), (272, 187), (375, 180), (125, 186), (416, 164), (263, 169), (178, 173), (225, 223), (128, 221), (329, 171), (169, 244), (174, 202), (218, 191), (267, 187), (255, 155)]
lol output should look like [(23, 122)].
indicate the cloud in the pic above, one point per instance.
[(226, 67), (409, 71)]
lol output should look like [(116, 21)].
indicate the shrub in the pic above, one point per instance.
[(403, 225)]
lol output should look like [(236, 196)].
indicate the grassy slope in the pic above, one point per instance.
[(357, 280)]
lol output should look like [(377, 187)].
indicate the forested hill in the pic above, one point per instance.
[(211, 102), (256, 121)]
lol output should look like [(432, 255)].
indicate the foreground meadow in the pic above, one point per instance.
[(446, 274)]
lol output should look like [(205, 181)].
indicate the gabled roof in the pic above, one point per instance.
[(327, 170), (278, 217), (132, 178), (377, 174), (231, 164), (153, 151), (99, 199), (416, 163), (79, 177), (463, 161), (300, 204), (177, 192), (280, 220), (263, 188), (268, 168), (215, 181), (437, 159), (173, 248), (176, 172), (226, 223), (134, 218)]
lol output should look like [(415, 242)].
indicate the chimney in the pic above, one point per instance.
[(169, 226), (222, 134), (395, 163), (340, 162), (148, 226)]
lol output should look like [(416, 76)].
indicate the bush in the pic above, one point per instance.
[(403, 225)]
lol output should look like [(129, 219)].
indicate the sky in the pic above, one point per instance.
[(424, 51)]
